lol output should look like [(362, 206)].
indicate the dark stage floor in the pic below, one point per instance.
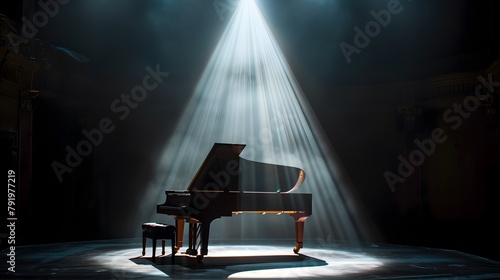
[(263, 259)]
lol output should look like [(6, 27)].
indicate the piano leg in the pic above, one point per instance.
[(193, 232), (205, 231), (299, 231), (179, 225)]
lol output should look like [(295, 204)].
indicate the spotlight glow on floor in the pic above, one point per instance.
[(238, 262), (249, 95)]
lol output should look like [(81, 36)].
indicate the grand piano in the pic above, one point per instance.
[(227, 184)]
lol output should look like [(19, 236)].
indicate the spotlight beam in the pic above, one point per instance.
[(249, 95)]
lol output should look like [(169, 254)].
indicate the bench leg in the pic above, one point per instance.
[(143, 244), (163, 246), (173, 250), (154, 248)]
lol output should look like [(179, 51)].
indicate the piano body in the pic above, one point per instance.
[(226, 184)]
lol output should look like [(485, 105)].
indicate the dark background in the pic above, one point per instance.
[(356, 104)]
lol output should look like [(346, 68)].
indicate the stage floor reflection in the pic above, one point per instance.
[(246, 259)]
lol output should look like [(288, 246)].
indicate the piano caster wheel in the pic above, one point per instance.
[(296, 250), (199, 258)]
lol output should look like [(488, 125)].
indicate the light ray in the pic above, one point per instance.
[(249, 95)]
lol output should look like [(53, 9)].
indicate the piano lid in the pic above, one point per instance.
[(224, 170), (219, 170)]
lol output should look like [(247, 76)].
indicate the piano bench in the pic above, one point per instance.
[(157, 231)]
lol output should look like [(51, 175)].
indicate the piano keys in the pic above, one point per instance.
[(227, 184)]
